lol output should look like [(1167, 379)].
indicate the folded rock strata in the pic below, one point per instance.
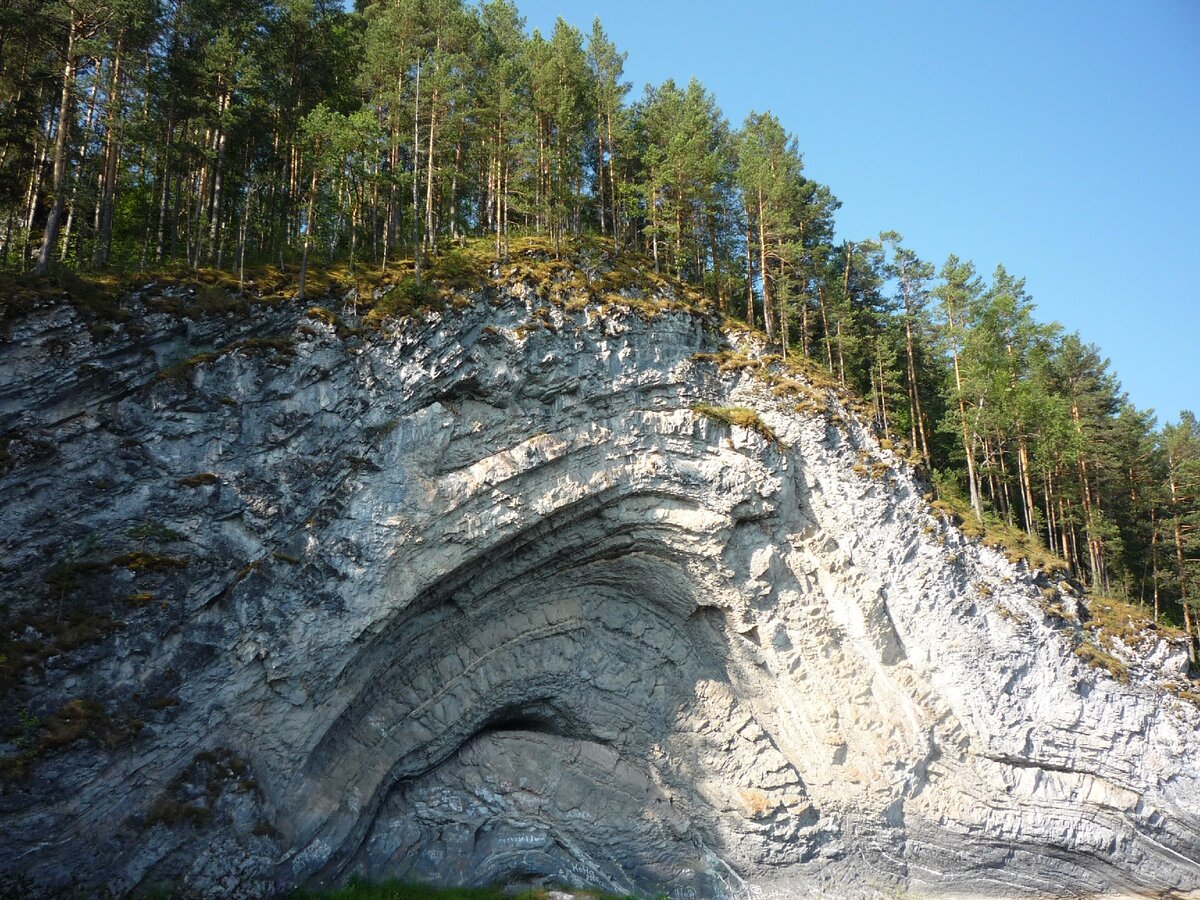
[(485, 599)]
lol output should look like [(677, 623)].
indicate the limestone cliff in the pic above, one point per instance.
[(505, 593)]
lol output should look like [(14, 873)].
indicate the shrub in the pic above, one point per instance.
[(409, 297), (461, 270)]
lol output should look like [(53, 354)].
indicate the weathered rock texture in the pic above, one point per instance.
[(481, 599)]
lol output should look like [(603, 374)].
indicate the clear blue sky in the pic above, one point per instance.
[(1060, 138)]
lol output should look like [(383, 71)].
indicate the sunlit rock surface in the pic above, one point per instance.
[(482, 599)]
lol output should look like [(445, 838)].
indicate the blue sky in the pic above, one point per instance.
[(1059, 138)]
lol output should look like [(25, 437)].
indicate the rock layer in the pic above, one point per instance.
[(484, 599)]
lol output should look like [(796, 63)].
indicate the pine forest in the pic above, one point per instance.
[(293, 136)]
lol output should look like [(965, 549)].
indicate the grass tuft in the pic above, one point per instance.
[(741, 416), (1097, 658)]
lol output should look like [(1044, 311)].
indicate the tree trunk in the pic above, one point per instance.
[(712, 242), (887, 431), (35, 184), (600, 181), (1154, 557), (82, 158), (841, 355), (214, 233), (164, 200), (103, 245), (803, 322), (454, 191), (1047, 493), (1179, 561), (1095, 548), (504, 208), (308, 230), (612, 178), (920, 442), (654, 224), (50, 236), (494, 174), (782, 297), (848, 309), (416, 168), (1026, 482), (968, 445), (825, 327), (430, 230), (768, 319), (1008, 516), (749, 276), (242, 239)]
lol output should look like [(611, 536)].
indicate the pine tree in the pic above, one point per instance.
[(1181, 447), (608, 68), (912, 276), (960, 292), (768, 174)]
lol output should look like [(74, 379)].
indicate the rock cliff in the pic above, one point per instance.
[(521, 591)]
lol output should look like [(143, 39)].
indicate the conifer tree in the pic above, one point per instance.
[(959, 293), (768, 174), (1181, 447), (608, 69)]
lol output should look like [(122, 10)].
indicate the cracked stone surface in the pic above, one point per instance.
[(483, 600)]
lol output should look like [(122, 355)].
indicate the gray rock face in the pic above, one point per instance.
[(483, 599)]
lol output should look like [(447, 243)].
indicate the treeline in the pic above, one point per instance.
[(135, 133)]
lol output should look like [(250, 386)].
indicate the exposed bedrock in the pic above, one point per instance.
[(484, 600)]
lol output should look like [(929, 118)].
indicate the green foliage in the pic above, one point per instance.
[(1016, 545), (462, 270), (411, 296)]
